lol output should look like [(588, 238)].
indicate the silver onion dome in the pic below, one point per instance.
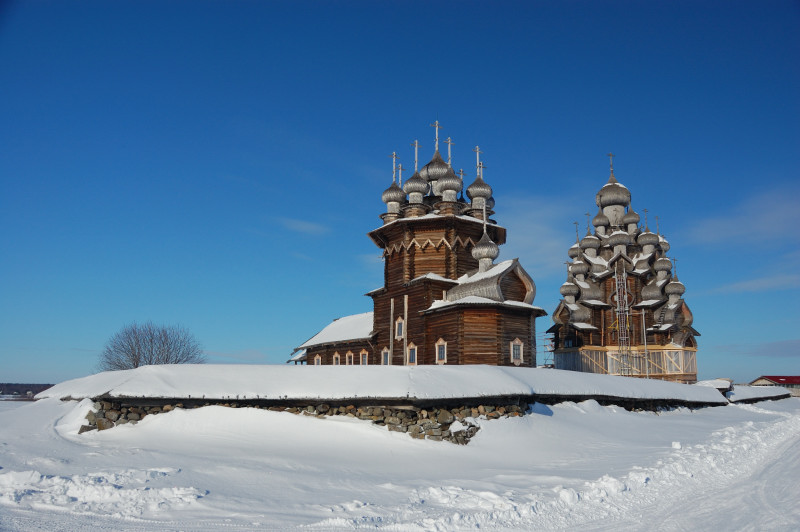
[(619, 238), (631, 217), (662, 264), (450, 181), (579, 268), (590, 241), (479, 189), (674, 287), (569, 289), (416, 184), (574, 251), (436, 169), (647, 238), (485, 248), (613, 193), (393, 194), (600, 219), (663, 243)]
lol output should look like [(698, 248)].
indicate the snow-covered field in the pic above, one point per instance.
[(566, 466)]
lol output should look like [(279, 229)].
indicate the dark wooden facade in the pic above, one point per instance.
[(440, 285)]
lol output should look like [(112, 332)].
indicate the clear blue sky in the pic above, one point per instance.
[(218, 164)]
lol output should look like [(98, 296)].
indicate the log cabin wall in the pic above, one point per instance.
[(327, 352), (481, 334), (520, 325)]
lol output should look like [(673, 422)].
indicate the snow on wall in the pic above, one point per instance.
[(745, 393), (218, 381)]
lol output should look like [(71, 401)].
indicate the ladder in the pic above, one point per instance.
[(623, 313)]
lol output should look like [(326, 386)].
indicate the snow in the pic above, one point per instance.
[(219, 381), (583, 326), (567, 466), (347, 328), (745, 393), (478, 300), (715, 383), (649, 303)]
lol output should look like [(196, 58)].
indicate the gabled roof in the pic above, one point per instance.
[(780, 379), (347, 328)]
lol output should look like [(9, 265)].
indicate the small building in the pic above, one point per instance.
[(623, 311), (443, 299), (791, 383)]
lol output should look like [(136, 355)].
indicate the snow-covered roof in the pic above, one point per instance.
[(719, 384), (477, 300), (583, 326), (595, 302), (292, 382), (298, 356), (353, 327), (494, 271), (648, 303)]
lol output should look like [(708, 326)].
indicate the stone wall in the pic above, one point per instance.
[(455, 424)]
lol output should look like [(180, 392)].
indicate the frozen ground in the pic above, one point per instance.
[(560, 467)]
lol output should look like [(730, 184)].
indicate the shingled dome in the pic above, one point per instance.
[(485, 248), (416, 184), (436, 169), (662, 264), (479, 189), (647, 238), (450, 181), (393, 194), (600, 219), (631, 217), (613, 193), (569, 289), (674, 287), (619, 238)]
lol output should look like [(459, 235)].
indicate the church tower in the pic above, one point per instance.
[(443, 300)]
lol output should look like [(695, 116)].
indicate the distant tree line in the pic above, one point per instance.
[(11, 388)]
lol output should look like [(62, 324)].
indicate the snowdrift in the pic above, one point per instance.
[(328, 383)]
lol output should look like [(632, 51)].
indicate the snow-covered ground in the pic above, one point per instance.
[(565, 466)]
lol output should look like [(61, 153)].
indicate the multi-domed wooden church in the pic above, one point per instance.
[(623, 312), (443, 299)]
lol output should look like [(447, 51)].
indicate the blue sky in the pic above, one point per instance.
[(218, 164)]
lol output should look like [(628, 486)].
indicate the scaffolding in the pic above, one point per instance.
[(623, 319)]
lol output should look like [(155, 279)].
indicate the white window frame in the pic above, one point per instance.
[(440, 343), (318, 360), (349, 358), (337, 359), (399, 328), (386, 359), (412, 347), (517, 343), (363, 357)]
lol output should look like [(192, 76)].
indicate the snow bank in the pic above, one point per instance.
[(368, 382), (750, 393)]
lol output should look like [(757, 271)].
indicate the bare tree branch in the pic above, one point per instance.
[(147, 344)]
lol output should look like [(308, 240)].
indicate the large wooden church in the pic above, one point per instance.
[(444, 300), (623, 311)]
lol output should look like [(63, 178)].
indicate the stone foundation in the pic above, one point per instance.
[(438, 423)]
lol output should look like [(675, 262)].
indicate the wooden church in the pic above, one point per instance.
[(443, 299), (623, 311)]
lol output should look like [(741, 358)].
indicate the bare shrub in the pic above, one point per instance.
[(147, 344)]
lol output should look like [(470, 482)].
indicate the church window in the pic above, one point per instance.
[(398, 328), (318, 360), (441, 351), (349, 358), (385, 358), (516, 352), (364, 357), (412, 355), (337, 359)]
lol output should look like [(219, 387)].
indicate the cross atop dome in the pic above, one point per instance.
[(438, 127)]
